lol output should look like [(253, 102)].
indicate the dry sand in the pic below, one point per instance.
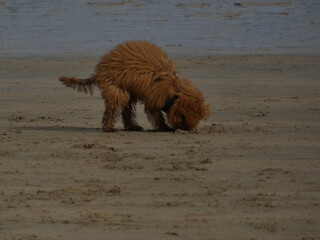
[(251, 171)]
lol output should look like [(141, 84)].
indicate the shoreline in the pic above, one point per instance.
[(171, 51)]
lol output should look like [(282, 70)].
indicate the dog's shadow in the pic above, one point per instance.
[(73, 129), (58, 129)]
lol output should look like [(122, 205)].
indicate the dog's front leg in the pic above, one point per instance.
[(129, 117), (157, 120)]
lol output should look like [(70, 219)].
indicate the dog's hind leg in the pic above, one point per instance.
[(108, 120), (129, 117), (116, 100), (157, 120)]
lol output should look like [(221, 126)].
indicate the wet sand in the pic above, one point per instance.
[(251, 171)]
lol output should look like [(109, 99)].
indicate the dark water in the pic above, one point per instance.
[(88, 27)]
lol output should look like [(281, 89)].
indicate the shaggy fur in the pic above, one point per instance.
[(140, 71)]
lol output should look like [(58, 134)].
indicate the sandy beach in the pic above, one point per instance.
[(251, 171)]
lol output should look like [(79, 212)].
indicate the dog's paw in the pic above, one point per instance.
[(109, 130)]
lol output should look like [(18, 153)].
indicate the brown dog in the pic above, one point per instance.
[(140, 71)]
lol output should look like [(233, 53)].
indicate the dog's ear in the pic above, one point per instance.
[(178, 119)]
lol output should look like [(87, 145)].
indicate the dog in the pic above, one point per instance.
[(140, 71)]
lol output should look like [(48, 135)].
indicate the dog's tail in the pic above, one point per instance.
[(82, 85)]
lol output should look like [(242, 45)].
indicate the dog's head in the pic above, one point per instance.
[(164, 86), (184, 111)]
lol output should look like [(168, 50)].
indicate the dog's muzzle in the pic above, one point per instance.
[(169, 104)]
